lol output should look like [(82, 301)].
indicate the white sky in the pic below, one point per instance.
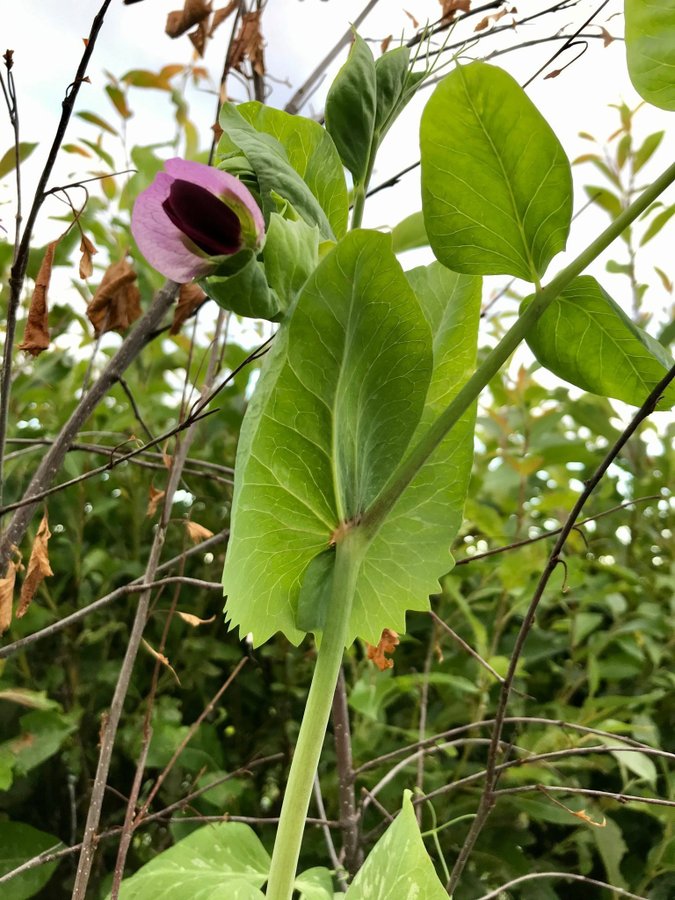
[(46, 37)]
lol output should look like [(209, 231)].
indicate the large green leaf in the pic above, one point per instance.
[(587, 339), (8, 160), (410, 233), (398, 867), (18, 843), (411, 551), (650, 49), (496, 184), (351, 107), (334, 413), (224, 861), (301, 165)]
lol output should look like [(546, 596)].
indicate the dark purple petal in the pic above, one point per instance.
[(204, 218)]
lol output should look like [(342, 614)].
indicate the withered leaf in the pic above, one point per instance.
[(388, 643), (450, 7), (384, 46), (154, 499), (197, 532), (117, 301), (199, 37), (221, 14), (415, 23), (194, 620), (181, 20), (36, 335), (161, 659), (38, 567), (553, 74), (7, 594), (607, 38), (190, 298), (88, 250), (248, 44)]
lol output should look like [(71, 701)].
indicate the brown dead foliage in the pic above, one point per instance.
[(117, 301), (38, 567), (7, 592), (181, 20), (388, 643), (190, 298), (197, 532), (248, 44), (36, 335), (86, 264)]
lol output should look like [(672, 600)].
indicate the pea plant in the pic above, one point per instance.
[(356, 449), (354, 457)]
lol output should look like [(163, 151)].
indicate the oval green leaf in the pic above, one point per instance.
[(18, 843), (351, 107), (650, 49), (398, 867), (496, 184), (587, 339)]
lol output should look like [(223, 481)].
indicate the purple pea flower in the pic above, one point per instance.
[(193, 216)]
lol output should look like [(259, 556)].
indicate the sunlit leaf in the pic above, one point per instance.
[(650, 49), (496, 184), (8, 161)]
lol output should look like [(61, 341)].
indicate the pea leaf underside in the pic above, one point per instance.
[(496, 184), (337, 405)]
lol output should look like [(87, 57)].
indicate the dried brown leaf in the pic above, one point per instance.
[(36, 335), (221, 14), (553, 74), (384, 46), (161, 658), (154, 499), (117, 301), (199, 36), (181, 20), (415, 23), (483, 24), (607, 38), (388, 643), (195, 621), (88, 250), (451, 7), (38, 567), (248, 44), (7, 594), (190, 298), (197, 532)]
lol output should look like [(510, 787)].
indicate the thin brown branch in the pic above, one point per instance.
[(466, 647), (562, 876), (587, 792), (134, 587), (18, 270), (488, 795), (299, 98), (547, 534), (349, 816), (112, 722)]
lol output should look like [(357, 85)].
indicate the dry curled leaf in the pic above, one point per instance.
[(195, 620), (197, 532), (451, 7), (248, 44), (199, 36), (181, 20), (384, 46), (154, 499), (38, 567), (117, 301), (483, 24), (7, 593), (36, 335), (190, 298), (388, 643), (88, 251), (161, 659), (607, 38), (221, 14), (415, 23)]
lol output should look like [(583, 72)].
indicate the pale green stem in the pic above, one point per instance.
[(348, 556), (418, 456)]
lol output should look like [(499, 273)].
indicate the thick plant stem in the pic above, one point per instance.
[(349, 553), (418, 456)]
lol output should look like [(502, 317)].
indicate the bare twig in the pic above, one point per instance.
[(328, 837), (466, 647), (18, 271), (562, 876), (135, 637), (349, 817), (488, 795), (586, 792), (298, 99), (424, 702)]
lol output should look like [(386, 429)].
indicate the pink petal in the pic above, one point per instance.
[(164, 246)]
